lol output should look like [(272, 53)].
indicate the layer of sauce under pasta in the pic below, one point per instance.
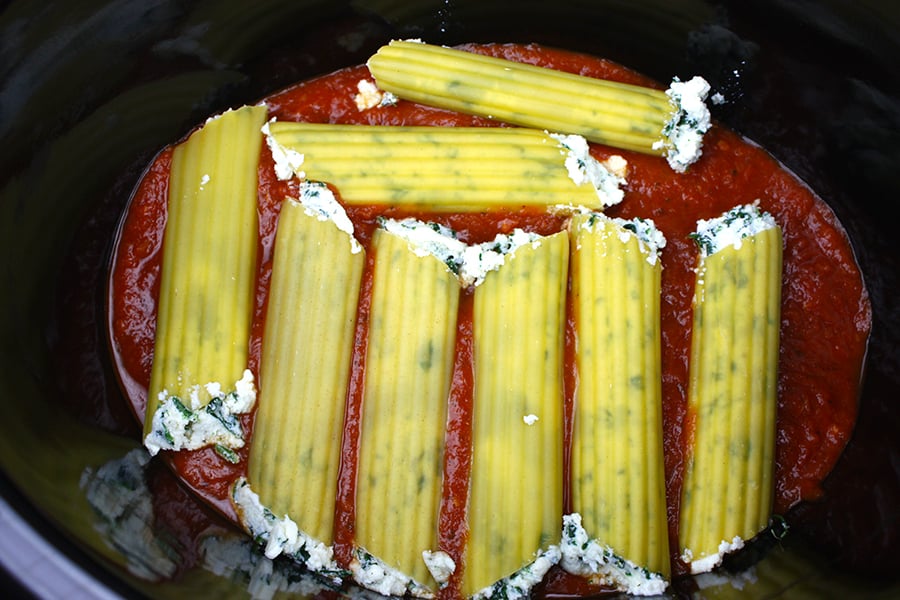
[(826, 316)]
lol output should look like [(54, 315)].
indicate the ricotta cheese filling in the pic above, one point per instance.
[(469, 262), (369, 96), (428, 239), (682, 140), (730, 229), (188, 424), (481, 259), (282, 535), (440, 565), (583, 168), (373, 574), (588, 557), (518, 586), (708, 563), (288, 162), (318, 201), (651, 240)]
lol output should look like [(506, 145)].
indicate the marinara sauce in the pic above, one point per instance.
[(826, 315)]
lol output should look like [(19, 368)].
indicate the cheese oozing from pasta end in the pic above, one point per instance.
[(730, 229), (682, 140), (651, 240), (590, 558), (469, 262), (606, 177), (319, 202), (180, 426), (281, 535), (518, 586), (373, 574), (288, 162)]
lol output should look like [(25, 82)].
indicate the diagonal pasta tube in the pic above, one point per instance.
[(671, 123), (305, 363), (618, 534), (515, 502), (732, 388), (445, 168), (409, 361), (199, 378)]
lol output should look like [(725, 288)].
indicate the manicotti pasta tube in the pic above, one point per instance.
[(515, 502), (618, 534), (199, 378), (409, 362), (732, 388), (625, 116), (305, 363), (445, 168)]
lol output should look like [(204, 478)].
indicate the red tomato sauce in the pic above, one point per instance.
[(826, 316)]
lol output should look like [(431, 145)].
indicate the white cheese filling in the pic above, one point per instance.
[(585, 169), (318, 201), (481, 259), (651, 240), (282, 536), (470, 263), (730, 229), (708, 563), (518, 586), (428, 239), (587, 557), (682, 135), (177, 425), (373, 574), (440, 565), (369, 96), (288, 162)]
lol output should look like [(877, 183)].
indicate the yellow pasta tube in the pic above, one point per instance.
[(727, 494), (616, 114), (618, 484), (304, 368), (207, 287), (409, 361), (515, 502), (446, 168)]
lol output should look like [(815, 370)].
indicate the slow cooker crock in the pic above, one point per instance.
[(91, 89)]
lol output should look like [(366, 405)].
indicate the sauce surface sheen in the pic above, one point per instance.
[(826, 316)]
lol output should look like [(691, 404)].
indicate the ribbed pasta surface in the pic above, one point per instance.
[(209, 258), (304, 370), (732, 395), (438, 168), (515, 505), (618, 484), (606, 112), (411, 341)]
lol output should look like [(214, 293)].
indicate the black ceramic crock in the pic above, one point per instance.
[(91, 89)]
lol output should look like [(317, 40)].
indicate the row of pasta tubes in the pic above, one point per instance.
[(516, 483), (515, 522)]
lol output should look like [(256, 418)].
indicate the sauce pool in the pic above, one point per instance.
[(826, 316)]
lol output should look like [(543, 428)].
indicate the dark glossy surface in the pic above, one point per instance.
[(92, 89)]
